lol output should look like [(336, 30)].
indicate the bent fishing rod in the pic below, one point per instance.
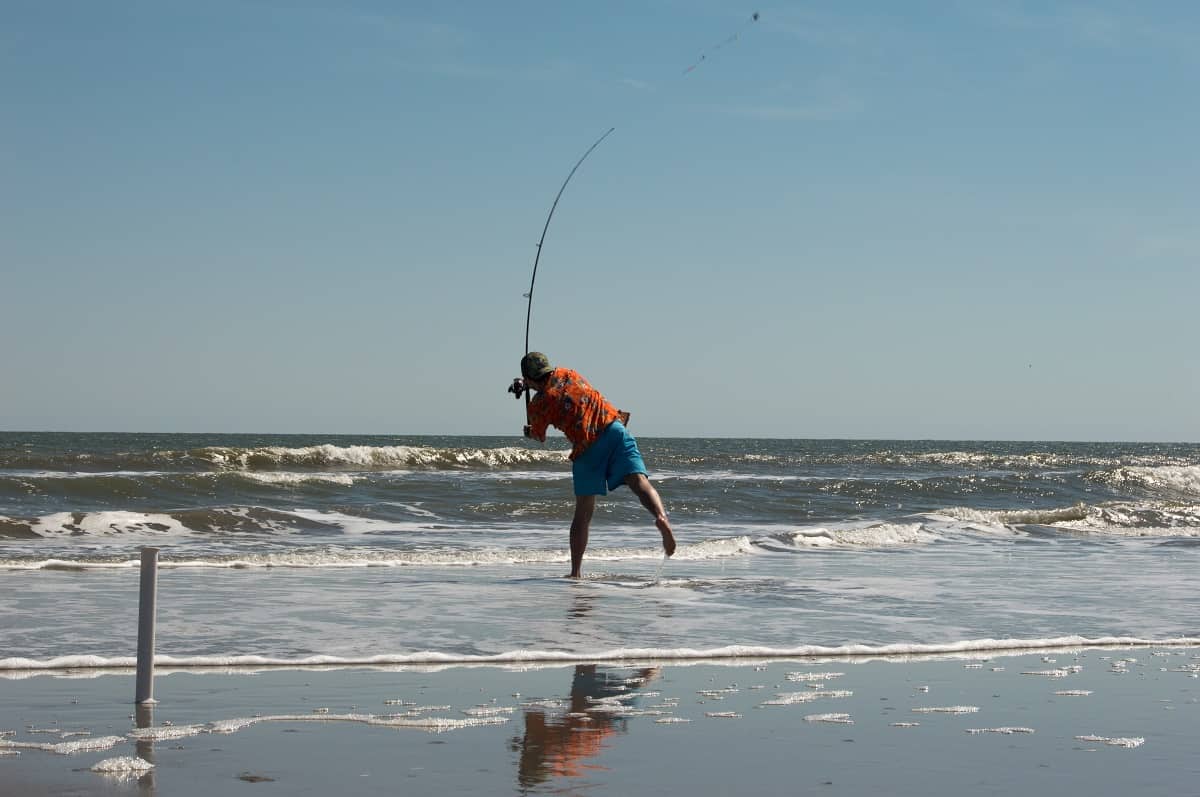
[(518, 386)]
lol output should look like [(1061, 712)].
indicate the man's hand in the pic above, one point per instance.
[(527, 432)]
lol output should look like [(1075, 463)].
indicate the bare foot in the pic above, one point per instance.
[(664, 526), (572, 575)]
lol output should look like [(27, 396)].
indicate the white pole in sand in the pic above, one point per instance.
[(146, 614)]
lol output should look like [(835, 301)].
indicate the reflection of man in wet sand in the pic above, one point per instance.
[(556, 745)]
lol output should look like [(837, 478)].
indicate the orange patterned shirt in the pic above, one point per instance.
[(573, 406)]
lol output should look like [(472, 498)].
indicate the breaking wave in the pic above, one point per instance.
[(953, 459), (1172, 481), (266, 458), (376, 457), (129, 525), (1126, 519)]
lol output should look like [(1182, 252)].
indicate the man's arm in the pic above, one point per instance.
[(537, 421)]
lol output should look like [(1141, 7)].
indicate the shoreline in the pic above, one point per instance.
[(1065, 718), (17, 668)]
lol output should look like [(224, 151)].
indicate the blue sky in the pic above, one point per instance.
[(871, 219)]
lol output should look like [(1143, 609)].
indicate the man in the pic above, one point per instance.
[(603, 455)]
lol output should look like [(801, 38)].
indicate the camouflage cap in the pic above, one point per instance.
[(535, 365)]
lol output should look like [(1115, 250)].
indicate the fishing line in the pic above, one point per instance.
[(732, 39), (517, 387)]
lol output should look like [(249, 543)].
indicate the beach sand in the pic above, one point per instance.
[(1095, 722)]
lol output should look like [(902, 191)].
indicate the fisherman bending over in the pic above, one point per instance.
[(604, 455)]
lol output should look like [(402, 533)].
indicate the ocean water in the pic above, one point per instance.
[(319, 549)]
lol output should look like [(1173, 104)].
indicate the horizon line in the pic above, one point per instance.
[(831, 438)]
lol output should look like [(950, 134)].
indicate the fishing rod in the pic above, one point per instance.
[(518, 387)]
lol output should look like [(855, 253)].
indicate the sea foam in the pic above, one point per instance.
[(85, 745), (616, 655), (123, 765), (354, 557), (876, 535)]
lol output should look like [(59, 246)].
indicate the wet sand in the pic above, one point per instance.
[(1096, 722)]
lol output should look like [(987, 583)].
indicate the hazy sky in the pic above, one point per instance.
[(867, 219)]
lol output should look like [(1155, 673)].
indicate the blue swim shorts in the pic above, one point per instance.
[(604, 464)]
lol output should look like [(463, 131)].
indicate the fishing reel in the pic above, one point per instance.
[(517, 388)]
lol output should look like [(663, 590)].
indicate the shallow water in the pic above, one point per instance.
[(350, 548)]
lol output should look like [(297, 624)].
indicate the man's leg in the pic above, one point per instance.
[(646, 493), (584, 506)]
